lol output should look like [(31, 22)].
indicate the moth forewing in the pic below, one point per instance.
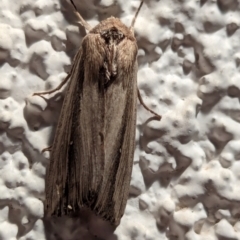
[(92, 153)]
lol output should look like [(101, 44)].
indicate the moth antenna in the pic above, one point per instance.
[(136, 14), (81, 20)]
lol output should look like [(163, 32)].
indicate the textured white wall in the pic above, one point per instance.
[(186, 174)]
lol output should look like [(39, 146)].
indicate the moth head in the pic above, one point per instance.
[(90, 29), (112, 35), (112, 30)]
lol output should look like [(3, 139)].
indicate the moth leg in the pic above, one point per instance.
[(56, 89), (47, 149), (146, 107)]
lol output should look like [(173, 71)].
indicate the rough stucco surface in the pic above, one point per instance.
[(186, 174)]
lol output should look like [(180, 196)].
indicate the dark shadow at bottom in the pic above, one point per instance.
[(85, 225)]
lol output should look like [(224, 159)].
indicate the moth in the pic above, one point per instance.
[(92, 153)]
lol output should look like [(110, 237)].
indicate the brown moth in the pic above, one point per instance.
[(92, 153)]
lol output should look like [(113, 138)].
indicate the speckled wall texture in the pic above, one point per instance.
[(186, 176)]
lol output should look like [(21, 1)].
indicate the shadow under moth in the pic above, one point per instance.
[(92, 153)]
